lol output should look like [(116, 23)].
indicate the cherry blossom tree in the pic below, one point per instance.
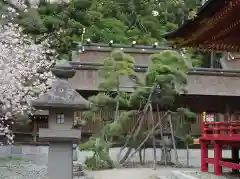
[(24, 71)]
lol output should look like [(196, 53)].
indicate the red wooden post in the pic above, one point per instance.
[(204, 155), (235, 157), (217, 158), (232, 131), (216, 128)]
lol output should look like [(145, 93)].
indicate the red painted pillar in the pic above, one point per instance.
[(217, 158), (235, 157), (204, 155)]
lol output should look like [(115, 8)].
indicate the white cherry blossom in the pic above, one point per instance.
[(24, 72)]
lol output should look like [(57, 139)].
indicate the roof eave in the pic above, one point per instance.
[(173, 34)]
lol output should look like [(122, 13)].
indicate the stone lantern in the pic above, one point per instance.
[(61, 101), (168, 143)]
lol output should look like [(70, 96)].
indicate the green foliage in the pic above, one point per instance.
[(188, 139), (183, 120), (87, 115), (126, 116), (100, 158), (102, 100), (112, 129), (123, 99), (167, 72), (195, 57), (169, 58), (117, 65), (89, 145), (99, 162), (188, 115), (118, 20), (139, 96)]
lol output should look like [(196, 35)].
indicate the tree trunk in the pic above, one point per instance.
[(144, 141), (129, 138), (116, 118), (144, 154), (164, 153), (125, 157), (140, 156), (135, 133), (139, 127)]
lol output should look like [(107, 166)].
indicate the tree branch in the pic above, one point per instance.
[(146, 138)]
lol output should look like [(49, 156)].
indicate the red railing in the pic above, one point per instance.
[(219, 134), (224, 128)]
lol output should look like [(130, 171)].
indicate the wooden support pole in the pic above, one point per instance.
[(154, 139), (35, 130), (217, 158), (173, 137), (161, 133), (204, 156), (212, 60)]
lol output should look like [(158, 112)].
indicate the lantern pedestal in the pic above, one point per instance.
[(61, 101)]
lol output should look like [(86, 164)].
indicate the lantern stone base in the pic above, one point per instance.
[(60, 154), (60, 160)]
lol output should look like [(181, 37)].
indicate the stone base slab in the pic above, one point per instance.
[(60, 135), (181, 175)]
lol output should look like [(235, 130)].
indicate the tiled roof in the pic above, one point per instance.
[(200, 82), (213, 85)]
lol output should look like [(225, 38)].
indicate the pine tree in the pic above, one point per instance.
[(166, 75), (110, 101)]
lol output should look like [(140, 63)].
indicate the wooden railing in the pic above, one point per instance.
[(225, 128)]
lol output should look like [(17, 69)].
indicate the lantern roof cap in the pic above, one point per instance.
[(61, 94)]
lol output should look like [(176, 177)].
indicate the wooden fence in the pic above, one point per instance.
[(96, 124)]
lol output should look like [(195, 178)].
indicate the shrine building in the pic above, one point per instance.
[(216, 29)]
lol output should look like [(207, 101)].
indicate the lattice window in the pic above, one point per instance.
[(210, 117), (60, 118)]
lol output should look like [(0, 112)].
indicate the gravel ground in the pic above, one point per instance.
[(210, 175), (36, 167), (23, 169), (143, 173), (194, 155), (31, 170)]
